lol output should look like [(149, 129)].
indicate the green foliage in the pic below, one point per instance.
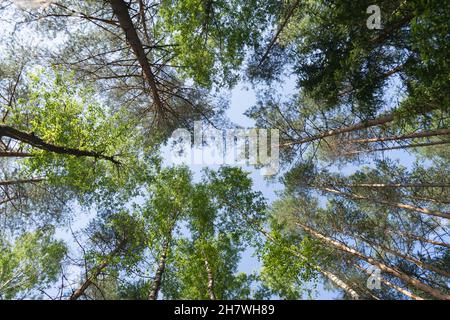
[(212, 36), (30, 264)]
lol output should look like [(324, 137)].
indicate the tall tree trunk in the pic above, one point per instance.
[(391, 285), (210, 286), (397, 185), (87, 283), (156, 286), (416, 145), (32, 140), (120, 9), (15, 154), (20, 181), (95, 272), (340, 284), (414, 135), (388, 203), (417, 262), (383, 267), (327, 274), (358, 126), (421, 239), (280, 29)]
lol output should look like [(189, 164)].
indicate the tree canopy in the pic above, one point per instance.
[(91, 92)]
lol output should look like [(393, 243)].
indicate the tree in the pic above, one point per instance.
[(204, 266), (30, 264)]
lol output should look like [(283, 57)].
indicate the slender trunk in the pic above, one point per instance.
[(440, 201), (20, 181), (397, 185), (15, 154), (37, 142), (417, 262), (280, 29), (156, 286), (382, 120), (341, 284), (210, 286), (86, 284), (120, 9), (358, 126), (95, 272), (392, 285), (416, 145), (422, 239), (327, 274), (433, 133), (8, 200), (388, 203), (383, 267)]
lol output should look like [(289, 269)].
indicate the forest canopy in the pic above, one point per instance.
[(91, 207)]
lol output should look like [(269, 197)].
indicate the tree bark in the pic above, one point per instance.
[(358, 126), (388, 203), (14, 154), (416, 145), (20, 181), (383, 267), (327, 274), (156, 286), (210, 285), (120, 9), (341, 284), (397, 185), (392, 285), (417, 262), (414, 135), (37, 142), (95, 272)]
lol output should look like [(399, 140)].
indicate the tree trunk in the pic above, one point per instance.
[(392, 285), (414, 135), (383, 267), (95, 272), (156, 286), (120, 9), (417, 262), (327, 274), (86, 284), (359, 126), (416, 145), (20, 181), (37, 142), (388, 203), (397, 185), (15, 154), (210, 286), (341, 284)]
